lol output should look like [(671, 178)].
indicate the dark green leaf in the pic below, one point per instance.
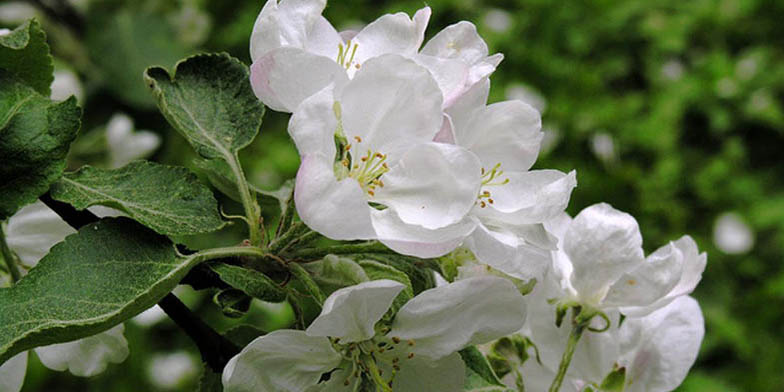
[(252, 282), (168, 199), (25, 54), (210, 102), (106, 273), (35, 134)]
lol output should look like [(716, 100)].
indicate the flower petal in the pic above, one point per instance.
[(33, 230), (419, 374), (603, 244), (433, 185), (377, 106), (415, 240), (284, 77), (505, 251), (506, 132), (451, 75), (12, 373), (458, 41), (284, 360), (649, 282), (392, 33), (287, 24), (465, 107), (448, 318), (530, 197), (336, 209), (313, 124), (351, 313), (660, 348), (86, 357)]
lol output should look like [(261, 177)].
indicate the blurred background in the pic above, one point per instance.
[(670, 110)]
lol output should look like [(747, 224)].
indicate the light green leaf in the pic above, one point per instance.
[(168, 199), (615, 381), (210, 102), (376, 271), (35, 134), (335, 272), (24, 53), (252, 282), (309, 285), (124, 42), (479, 374), (104, 274)]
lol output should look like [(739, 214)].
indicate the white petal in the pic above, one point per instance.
[(86, 357), (377, 106), (505, 251), (660, 348), (124, 144), (649, 282), (351, 313), (602, 244), (285, 24), (336, 209), (323, 39), (530, 197), (458, 41), (507, 132), (284, 360), (12, 373), (451, 75), (285, 77), (447, 133), (391, 33), (313, 124), (419, 374), (415, 240), (446, 319), (33, 230), (433, 185), (464, 108)]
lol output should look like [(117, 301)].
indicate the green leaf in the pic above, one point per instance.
[(376, 271), (35, 134), (419, 271), (303, 277), (252, 282), (104, 274), (210, 102), (168, 199), (615, 381), (478, 371), (219, 174), (124, 42), (335, 272), (25, 54), (233, 303)]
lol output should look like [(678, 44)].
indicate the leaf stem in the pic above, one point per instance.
[(251, 207), (8, 257), (364, 247), (574, 337)]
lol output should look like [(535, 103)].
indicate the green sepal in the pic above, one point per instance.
[(25, 54), (615, 381), (479, 373), (334, 272), (167, 199)]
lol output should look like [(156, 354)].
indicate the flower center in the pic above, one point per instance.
[(367, 355), (367, 169), (492, 177), (346, 55)]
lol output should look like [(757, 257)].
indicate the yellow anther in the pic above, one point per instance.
[(358, 139), (348, 147), (410, 355), (410, 342), (396, 339), (490, 201)]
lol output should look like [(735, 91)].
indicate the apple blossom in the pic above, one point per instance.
[(386, 179), (601, 264), (347, 345), (296, 52), (513, 201)]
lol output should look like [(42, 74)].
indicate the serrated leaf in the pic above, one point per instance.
[(210, 102), (24, 53), (35, 134), (376, 271), (253, 283), (479, 374), (168, 199), (107, 272), (124, 42), (334, 272)]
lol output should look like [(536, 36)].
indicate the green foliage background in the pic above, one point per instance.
[(691, 93)]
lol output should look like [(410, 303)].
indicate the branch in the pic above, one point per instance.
[(215, 349)]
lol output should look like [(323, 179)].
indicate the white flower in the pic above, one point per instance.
[(66, 83), (384, 120), (417, 352), (296, 52), (12, 373), (513, 201), (732, 235), (655, 351), (30, 233), (126, 144), (601, 264)]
